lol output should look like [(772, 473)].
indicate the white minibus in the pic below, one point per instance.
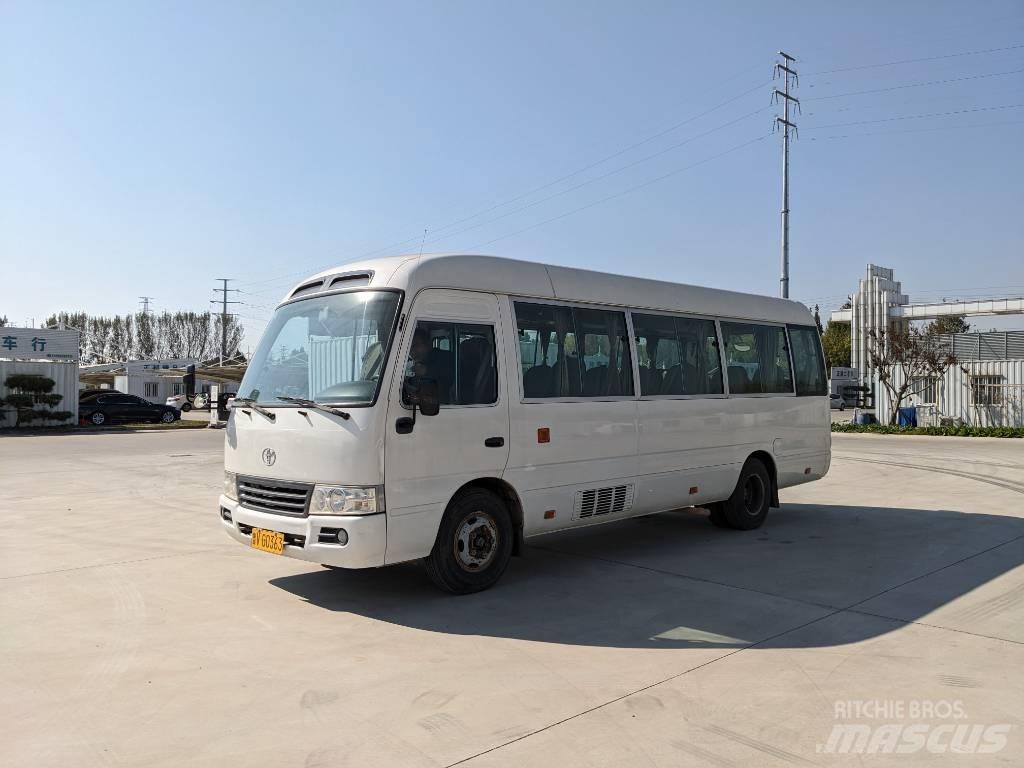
[(447, 407)]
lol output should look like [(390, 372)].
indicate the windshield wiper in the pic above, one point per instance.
[(314, 404), (248, 402)]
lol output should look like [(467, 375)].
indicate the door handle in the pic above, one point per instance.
[(494, 442)]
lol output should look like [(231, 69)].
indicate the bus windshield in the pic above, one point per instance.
[(330, 349)]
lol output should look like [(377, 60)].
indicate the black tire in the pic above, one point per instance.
[(748, 506), (98, 418), (167, 417), (186, 406), (474, 517)]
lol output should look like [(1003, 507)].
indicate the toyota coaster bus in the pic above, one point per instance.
[(445, 408)]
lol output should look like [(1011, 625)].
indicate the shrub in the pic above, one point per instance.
[(945, 431), (30, 390), (19, 400), (49, 400), (29, 382)]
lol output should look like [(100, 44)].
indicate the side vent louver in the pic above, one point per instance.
[(594, 502)]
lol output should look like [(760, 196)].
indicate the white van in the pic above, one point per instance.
[(447, 407)]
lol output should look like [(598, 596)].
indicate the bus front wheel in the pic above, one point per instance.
[(473, 545), (748, 506)]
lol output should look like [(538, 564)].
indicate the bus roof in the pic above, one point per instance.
[(494, 274)]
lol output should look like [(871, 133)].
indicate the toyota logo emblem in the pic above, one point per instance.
[(269, 456)]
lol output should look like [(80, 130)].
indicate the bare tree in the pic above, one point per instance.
[(145, 336), (910, 353)]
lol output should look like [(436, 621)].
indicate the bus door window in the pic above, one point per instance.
[(460, 357)]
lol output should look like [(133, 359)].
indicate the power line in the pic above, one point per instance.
[(621, 193), (653, 137), (603, 176), (898, 106), (578, 171), (918, 130), (918, 117), (914, 85), (542, 187), (915, 61)]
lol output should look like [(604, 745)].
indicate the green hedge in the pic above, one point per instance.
[(964, 431), (29, 382)]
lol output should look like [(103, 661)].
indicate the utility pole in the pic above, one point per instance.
[(789, 77), (224, 291), (144, 301)]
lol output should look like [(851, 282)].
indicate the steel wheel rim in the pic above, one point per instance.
[(476, 542), (753, 495)]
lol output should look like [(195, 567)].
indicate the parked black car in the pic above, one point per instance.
[(117, 406)]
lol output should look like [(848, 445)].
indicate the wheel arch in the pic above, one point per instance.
[(766, 458), (508, 494)]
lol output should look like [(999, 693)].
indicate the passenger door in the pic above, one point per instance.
[(124, 408), (456, 338), (145, 409)]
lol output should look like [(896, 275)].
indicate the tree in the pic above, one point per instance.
[(909, 353), (145, 336), (32, 399), (4, 322), (817, 319), (947, 324), (836, 343)]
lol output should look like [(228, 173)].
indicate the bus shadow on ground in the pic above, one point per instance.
[(674, 581)]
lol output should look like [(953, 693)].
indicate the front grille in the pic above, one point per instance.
[(278, 497)]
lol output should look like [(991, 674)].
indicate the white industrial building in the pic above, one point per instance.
[(154, 380), (985, 389)]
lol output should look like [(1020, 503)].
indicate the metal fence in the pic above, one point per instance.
[(994, 345)]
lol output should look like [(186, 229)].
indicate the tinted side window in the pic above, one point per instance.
[(677, 355), (606, 368), (460, 357), (807, 360), (756, 358), (573, 352), (547, 350)]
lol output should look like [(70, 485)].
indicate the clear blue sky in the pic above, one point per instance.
[(148, 148)]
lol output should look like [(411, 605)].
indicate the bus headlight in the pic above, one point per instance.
[(347, 500), (231, 485)]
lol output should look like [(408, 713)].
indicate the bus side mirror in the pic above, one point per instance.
[(423, 395), (429, 399)]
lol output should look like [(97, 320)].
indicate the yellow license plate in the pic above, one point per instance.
[(267, 541)]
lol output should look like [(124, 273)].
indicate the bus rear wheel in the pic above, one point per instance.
[(473, 545), (748, 506)]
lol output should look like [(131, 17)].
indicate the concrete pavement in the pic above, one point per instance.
[(136, 633)]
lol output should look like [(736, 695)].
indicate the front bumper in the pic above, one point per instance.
[(367, 535)]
